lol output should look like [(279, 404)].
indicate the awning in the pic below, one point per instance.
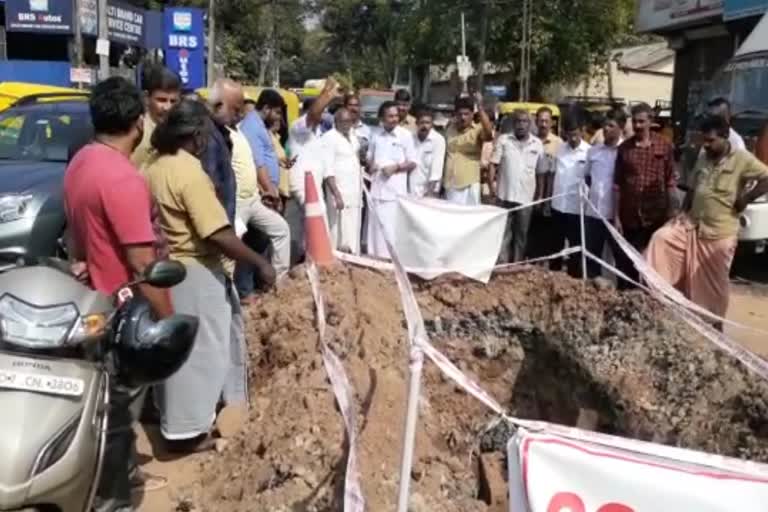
[(757, 41)]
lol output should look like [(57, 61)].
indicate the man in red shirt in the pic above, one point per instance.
[(645, 188), (108, 207)]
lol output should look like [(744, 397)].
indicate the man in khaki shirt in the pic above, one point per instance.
[(464, 145), (162, 90), (541, 222), (694, 251)]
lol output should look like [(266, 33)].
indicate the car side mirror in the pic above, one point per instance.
[(165, 273)]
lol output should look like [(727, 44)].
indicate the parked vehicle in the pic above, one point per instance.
[(744, 81), (370, 101), (61, 346), (36, 135), (12, 92)]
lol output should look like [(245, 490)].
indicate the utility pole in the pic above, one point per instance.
[(211, 70), (528, 52), (523, 54), (104, 37), (484, 14), (462, 60)]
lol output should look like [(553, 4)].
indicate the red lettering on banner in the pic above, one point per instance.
[(571, 502), (565, 501), (615, 507)]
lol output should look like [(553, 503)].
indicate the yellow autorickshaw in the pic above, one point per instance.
[(252, 92), (507, 107)]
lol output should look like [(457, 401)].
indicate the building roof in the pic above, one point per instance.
[(642, 57), (757, 41)]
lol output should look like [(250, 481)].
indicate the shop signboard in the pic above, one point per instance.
[(184, 45), (663, 15), (42, 16), (735, 9), (125, 23)]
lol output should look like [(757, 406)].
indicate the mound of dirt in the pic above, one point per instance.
[(542, 344)]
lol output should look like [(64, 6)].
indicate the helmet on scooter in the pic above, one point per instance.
[(148, 351)]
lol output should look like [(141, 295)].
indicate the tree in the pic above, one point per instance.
[(568, 36)]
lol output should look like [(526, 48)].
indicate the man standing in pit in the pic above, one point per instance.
[(162, 90), (694, 251), (645, 188), (518, 158), (424, 181), (464, 143)]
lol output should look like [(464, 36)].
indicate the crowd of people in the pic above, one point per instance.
[(212, 183)]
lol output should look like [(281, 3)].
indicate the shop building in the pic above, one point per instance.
[(705, 35)]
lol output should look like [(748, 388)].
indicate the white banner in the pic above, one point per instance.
[(436, 234), (549, 473)]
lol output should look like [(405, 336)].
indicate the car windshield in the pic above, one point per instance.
[(372, 102), (40, 134)]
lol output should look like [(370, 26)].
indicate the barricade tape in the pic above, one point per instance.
[(690, 312), (419, 344), (354, 501), (377, 264)]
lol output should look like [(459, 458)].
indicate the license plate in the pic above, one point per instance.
[(35, 382)]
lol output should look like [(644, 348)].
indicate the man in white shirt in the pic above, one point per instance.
[(721, 107), (310, 125), (425, 180), (359, 129), (570, 169), (391, 156), (601, 167), (344, 197), (518, 157)]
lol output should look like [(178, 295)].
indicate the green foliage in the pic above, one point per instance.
[(568, 36)]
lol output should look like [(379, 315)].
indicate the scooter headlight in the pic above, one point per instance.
[(31, 326)]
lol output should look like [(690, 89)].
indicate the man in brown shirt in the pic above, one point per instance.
[(694, 251), (645, 188)]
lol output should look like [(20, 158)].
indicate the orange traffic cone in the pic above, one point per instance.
[(315, 230)]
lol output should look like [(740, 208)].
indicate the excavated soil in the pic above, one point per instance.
[(542, 344)]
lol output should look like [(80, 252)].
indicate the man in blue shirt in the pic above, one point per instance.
[(269, 109)]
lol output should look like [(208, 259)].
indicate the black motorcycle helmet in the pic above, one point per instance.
[(147, 351)]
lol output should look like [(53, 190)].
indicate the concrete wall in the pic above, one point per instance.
[(632, 85)]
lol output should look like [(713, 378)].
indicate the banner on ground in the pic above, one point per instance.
[(434, 237), (550, 473)]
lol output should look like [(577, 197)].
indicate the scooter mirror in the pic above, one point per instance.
[(165, 273)]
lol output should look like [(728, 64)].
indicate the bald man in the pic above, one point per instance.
[(225, 101)]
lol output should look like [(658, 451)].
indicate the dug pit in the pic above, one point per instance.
[(546, 346)]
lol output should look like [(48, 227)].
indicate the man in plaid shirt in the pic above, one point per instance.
[(645, 187)]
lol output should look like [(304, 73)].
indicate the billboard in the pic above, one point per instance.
[(184, 45), (125, 23), (660, 15), (89, 17), (44, 16), (735, 9)]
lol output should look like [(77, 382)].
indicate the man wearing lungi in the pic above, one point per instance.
[(694, 250)]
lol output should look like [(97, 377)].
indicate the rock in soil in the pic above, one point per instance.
[(544, 345)]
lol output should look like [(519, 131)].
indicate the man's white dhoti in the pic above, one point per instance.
[(345, 227), (386, 212), (467, 196)]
